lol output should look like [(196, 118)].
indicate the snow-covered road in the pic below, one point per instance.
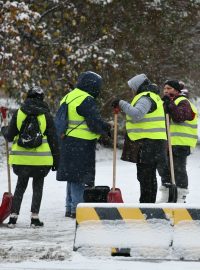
[(51, 247)]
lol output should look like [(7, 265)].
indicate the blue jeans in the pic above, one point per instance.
[(74, 196)]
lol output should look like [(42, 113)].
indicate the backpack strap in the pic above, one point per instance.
[(79, 123), (72, 99), (75, 127)]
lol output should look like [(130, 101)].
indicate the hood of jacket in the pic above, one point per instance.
[(34, 106), (151, 87), (90, 82)]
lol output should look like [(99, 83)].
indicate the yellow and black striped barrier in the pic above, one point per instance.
[(99, 212), (131, 217)]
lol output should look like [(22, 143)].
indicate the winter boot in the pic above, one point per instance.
[(35, 222), (67, 214), (12, 221), (164, 194), (182, 194), (73, 215)]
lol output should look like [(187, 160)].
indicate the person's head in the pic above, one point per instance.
[(172, 88), (36, 92), (138, 81), (90, 82)]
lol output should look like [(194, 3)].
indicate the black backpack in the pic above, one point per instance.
[(61, 119), (30, 135)]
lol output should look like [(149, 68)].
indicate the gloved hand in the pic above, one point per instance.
[(115, 103), (110, 130), (4, 131), (166, 101), (54, 167), (109, 134)]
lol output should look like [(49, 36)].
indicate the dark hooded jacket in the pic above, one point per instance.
[(77, 156), (35, 106)]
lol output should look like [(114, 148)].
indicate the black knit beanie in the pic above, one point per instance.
[(174, 84)]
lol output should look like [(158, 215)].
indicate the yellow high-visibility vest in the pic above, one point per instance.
[(184, 133), (77, 126), (152, 126), (33, 156)]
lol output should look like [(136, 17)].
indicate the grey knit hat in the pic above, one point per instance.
[(135, 82)]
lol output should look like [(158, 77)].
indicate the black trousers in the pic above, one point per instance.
[(146, 175), (151, 157), (180, 172), (180, 154), (37, 186)]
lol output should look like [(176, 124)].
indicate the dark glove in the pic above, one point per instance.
[(4, 131), (109, 134), (54, 167), (166, 101), (115, 103)]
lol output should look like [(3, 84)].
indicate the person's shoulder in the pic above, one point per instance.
[(146, 98), (183, 99), (89, 100), (154, 88)]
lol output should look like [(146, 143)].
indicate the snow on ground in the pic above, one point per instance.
[(51, 247)]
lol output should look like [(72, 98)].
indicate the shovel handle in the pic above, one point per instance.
[(170, 150), (8, 168), (116, 111), (3, 111)]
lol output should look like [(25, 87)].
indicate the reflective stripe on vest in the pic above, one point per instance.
[(77, 126), (184, 133), (152, 126), (36, 156)]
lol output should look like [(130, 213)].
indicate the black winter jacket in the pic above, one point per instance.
[(35, 106), (77, 156)]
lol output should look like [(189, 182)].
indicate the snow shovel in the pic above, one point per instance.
[(115, 196), (172, 188), (6, 204)]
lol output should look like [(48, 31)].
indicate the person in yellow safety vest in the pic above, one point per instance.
[(77, 149), (31, 162), (183, 131), (145, 139)]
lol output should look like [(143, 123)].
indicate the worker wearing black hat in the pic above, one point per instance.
[(27, 161), (183, 130)]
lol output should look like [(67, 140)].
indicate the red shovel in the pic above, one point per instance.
[(6, 204), (115, 196)]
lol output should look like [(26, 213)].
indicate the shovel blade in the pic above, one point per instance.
[(6, 205), (115, 196), (172, 194)]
